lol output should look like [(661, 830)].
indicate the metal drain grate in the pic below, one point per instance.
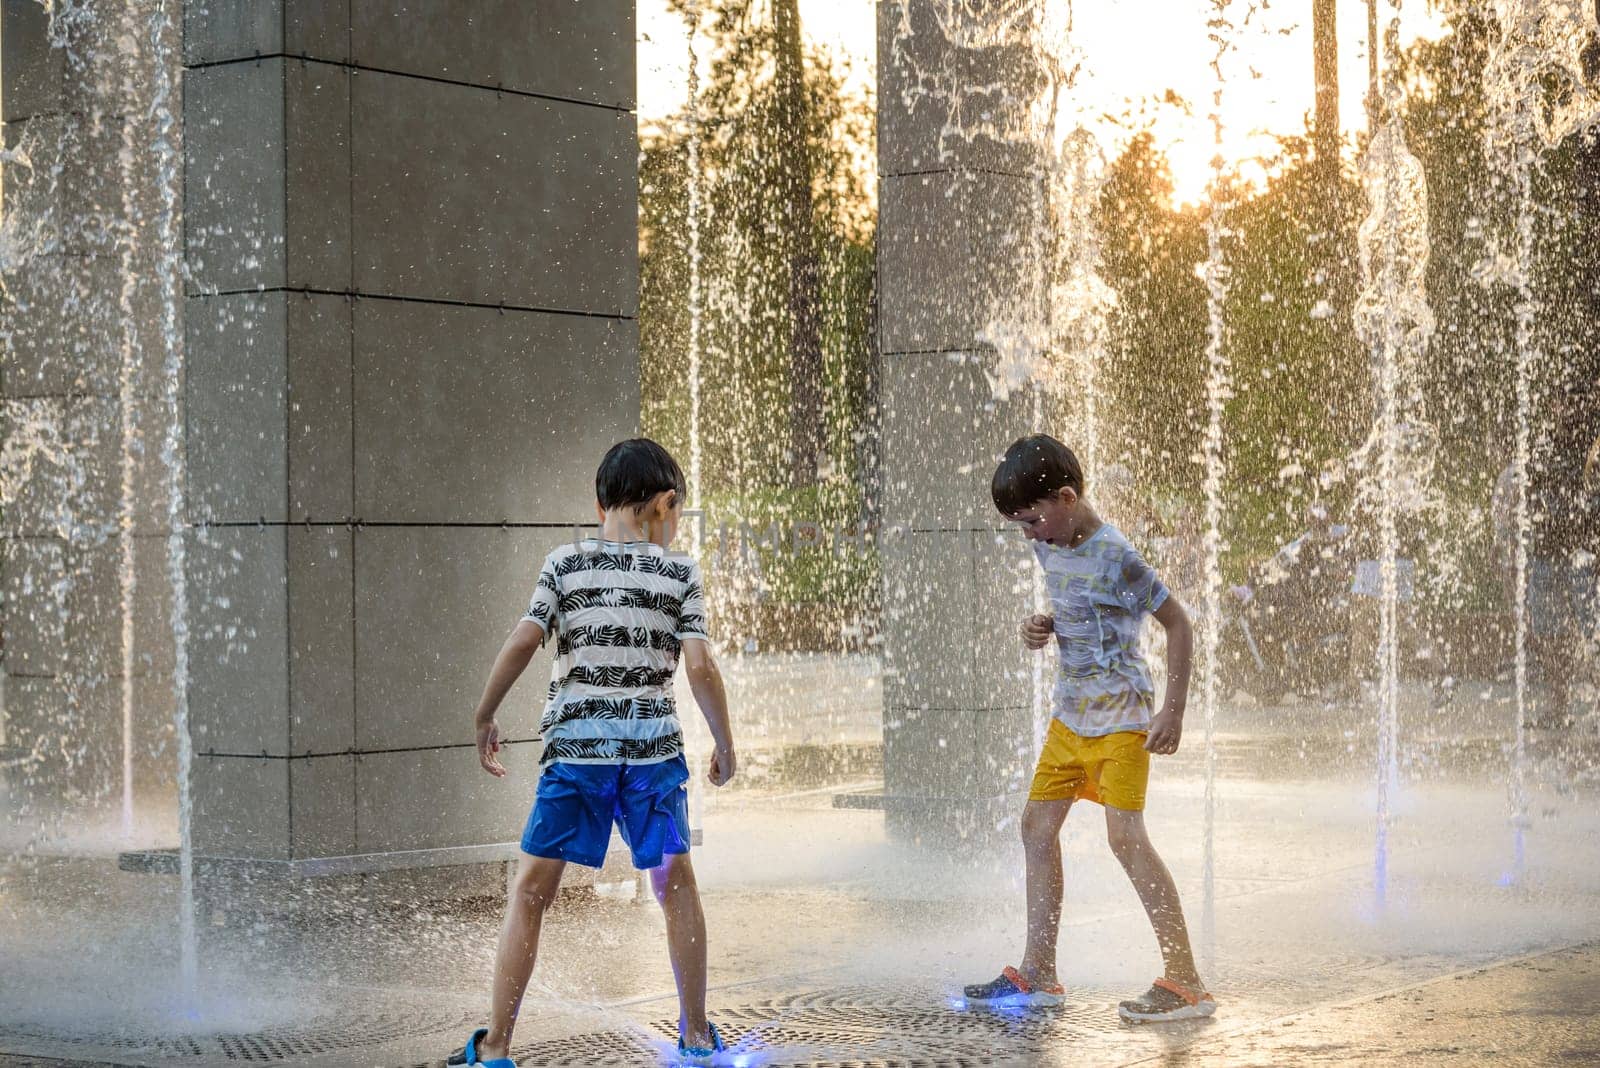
[(287, 1044), (174, 1048), (861, 1027)]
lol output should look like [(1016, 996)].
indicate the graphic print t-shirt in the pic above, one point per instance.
[(1100, 592), (618, 612)]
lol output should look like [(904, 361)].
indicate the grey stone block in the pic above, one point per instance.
[(271, 640), (433, 606), (930, 753), (236, 378), (269, 407), (33, 620), (1002, 419), (155, 750), (267, 176), (35, 73), (468, 414), (65, 192), (60, 57), (322, 806), (64, 455), (1003, 755), (437, 798), (1006, 573), (578, 51), (321, 466), (929, 593), (57, 321), (97, 603), (952, 93), (954, 259), (241, 807), (238, 640), (39, 360), (321, 620), (317, 175), (484, 198), (219, 30), (156, 419), (235, 216), (931, 408), (70, 730)]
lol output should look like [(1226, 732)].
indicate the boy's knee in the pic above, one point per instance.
[(1126, 842), (533, 894), (672, 877), (1040, 830)]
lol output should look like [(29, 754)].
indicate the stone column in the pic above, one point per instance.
[(411, 333), (86, 609), (958, 196)]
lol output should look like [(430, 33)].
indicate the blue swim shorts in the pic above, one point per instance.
[(577, 804), (1562, 597)]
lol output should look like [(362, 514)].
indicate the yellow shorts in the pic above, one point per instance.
[(1113, 770)]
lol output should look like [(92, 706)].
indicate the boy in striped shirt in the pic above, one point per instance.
[(622, 611)]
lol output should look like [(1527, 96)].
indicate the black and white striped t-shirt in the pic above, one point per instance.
[(619, 612)]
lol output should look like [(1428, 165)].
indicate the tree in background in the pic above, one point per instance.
[(787, 386)]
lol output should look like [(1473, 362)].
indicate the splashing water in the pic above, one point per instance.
[(1080, 300), (696, 735), (1540, 44), (1219, 388), (696, 180), (160, 30), (129, 379), (991, 88), (1393, 319)]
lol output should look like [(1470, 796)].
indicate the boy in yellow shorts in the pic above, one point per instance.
[(1101, 732)]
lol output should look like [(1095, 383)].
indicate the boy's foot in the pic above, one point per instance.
[(469, 1054), (1012, 989), (701, 1055), (1167, 1000)]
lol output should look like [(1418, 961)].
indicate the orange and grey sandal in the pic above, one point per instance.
[(1012, 989), (1167, 1000)]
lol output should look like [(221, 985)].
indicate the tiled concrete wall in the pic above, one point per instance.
[(80, 216), (953, 212), (411, 333)]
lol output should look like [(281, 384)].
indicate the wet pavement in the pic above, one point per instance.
[(1536, 1010), (833, 945)]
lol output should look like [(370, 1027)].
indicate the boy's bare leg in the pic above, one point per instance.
[(1131, 844), (1549, 654), (1041, 845), (679, 894), (534, 887)]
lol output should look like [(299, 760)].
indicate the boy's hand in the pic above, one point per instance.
[(1165, 731), (1037, 630), (488, 747), (723, 763)]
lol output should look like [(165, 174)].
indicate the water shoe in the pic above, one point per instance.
[(1012, 989), (1167, 1000), (701, 1056), (468, 1054)]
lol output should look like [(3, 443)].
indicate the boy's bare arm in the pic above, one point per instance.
[(509, 664), (705, 681), (1166, 730)]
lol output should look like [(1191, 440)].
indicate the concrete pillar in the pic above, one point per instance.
[(958, 196), (411, 333), (82, 505)]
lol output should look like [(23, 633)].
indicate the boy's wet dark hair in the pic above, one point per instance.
[(634, 471), (1033, 468)]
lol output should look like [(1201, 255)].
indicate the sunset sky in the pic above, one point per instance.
[(1130, 64)]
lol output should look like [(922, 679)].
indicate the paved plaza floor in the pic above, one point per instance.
[(835, 945)]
